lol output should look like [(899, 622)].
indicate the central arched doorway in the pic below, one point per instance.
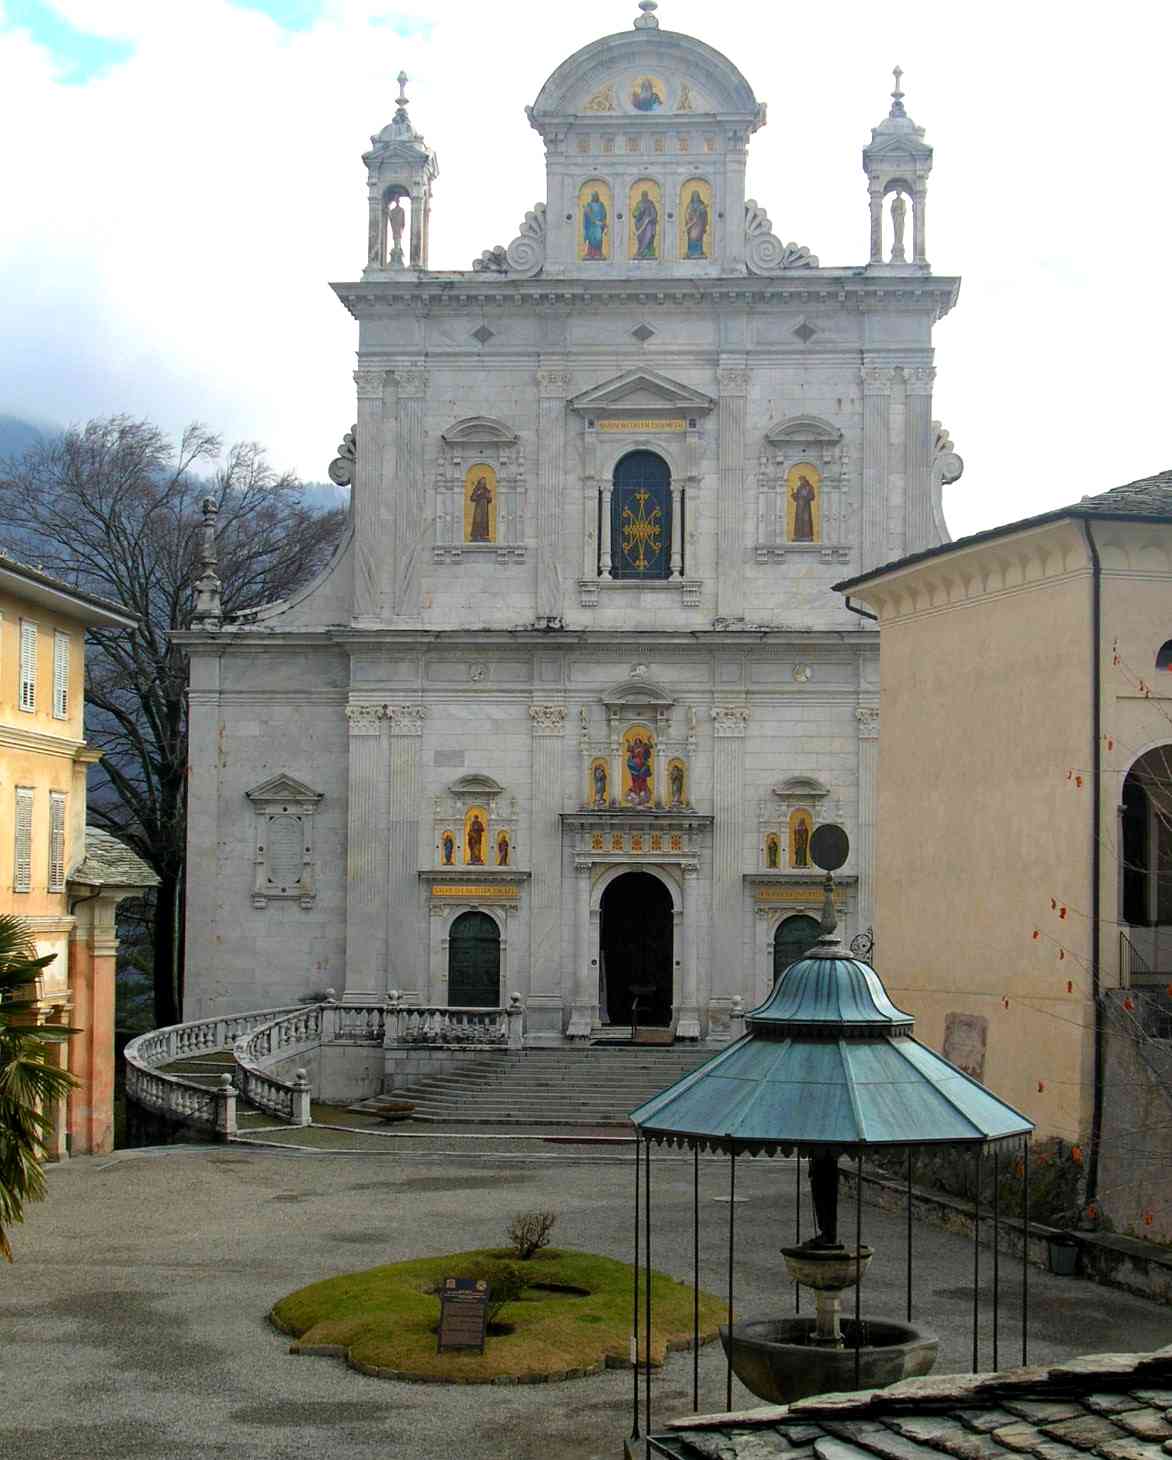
[(794, 938), (635, 939), (474, 962)]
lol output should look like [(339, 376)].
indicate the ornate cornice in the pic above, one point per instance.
[(731, 720), (548, 719), (407, 719)]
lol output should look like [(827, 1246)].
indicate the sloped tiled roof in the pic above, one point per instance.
[(1104, 1406), (1148, 497), (109, 862), (42, 579)]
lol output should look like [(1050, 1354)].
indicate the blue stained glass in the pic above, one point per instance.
[(640, 517)]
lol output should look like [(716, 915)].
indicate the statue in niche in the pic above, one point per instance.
[(646, 222), (801, 844), (772, 851), (898, 220), (476, 841), (599, 784), (397, 218), (696, 225), (803, 498), (594, 226), (448, 844), (481, 499), (502, 850), (675, 778)]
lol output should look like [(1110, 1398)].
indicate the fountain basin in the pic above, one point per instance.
[(777, 1359)]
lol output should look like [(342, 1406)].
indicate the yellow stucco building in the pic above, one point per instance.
[(44, 845), (1024, 812)]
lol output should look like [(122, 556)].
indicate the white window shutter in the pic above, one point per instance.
[(56, 841), (22, 867), (61, 676), (28, 665)]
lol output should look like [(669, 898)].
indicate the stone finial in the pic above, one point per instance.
[(208, 604), (647, 21), (897, 95), (402, 80)]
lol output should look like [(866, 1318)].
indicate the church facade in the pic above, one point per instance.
[(562, 714)]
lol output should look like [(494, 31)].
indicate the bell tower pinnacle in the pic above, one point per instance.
[(897, 161), (400, 169)]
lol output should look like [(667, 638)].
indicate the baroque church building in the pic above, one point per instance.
[(562, 714)]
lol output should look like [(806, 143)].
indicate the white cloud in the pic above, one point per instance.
[(170, 226)]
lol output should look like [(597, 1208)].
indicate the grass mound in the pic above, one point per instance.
[(573, 1318)]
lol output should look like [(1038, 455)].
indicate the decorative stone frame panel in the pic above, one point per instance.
[(276, 803), (789, 442), (480, 439), (798, 793), (443, 916), (451, 811)]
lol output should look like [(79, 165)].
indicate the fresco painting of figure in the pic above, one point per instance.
[(772, 852), (639, 766), (677, 782), (480, 504), (802, 503), (475, 836), (801, 825), (594, 209), (647, 95), (502, 849), (695, 219), (448, 848), (644, 208), (599, 777)]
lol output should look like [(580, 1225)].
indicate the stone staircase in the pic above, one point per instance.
[(206, 1069), (596, 1086)]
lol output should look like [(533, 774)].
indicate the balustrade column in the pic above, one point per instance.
[(366, 852), (585, 975), (688, 1014), (728, 785), (371, 528), (411, 493), (734, 386), (552, 388), (877, 384), (919, 530), (868, 718), (404, 922), (548, 723)]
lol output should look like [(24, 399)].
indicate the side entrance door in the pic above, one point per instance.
[(474, 962)]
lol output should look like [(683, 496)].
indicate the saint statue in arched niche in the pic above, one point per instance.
[(448, 848), (802, 485)]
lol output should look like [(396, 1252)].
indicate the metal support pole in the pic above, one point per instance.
[(977, 1266), (647, 1296), (732, 1221), (858, 1269), (635, 1309), (996, 1250), (1025, 1260), (797, 1221), (696, 1278)]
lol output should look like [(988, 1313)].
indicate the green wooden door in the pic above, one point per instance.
[(795, 937), (474, 962)]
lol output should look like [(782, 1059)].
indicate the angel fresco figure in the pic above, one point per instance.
[(599, 784), (481, 499), (696, 225), (645, 98), (803, 496), (594, 226), (476, 841), (646, 220), (639, 768)]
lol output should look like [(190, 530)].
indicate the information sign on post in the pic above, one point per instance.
[(463, 1314)]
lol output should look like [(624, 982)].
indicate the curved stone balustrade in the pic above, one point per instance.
[(438, 1025), (290, 1034)]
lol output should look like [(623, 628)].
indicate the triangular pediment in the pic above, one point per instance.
[(898, 149), (283, 788), (642, 391), (475, 784), (803, 428), (637, 691), (481, 430)]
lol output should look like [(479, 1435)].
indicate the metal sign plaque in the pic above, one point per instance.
[(463, 1314)]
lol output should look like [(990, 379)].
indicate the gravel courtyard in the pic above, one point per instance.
[(133, 1321)]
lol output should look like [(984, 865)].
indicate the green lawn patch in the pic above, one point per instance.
[(573, 1318)]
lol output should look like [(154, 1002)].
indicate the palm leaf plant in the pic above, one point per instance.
[(30, 1084)]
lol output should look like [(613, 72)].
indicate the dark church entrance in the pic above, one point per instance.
[(635, 938), (795, 937), (474, 962)]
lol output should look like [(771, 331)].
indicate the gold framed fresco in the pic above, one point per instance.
[(648, 94), (595, 215), (696, 220), (639, 766), (773, 852), (598, 789), (801, 828), (475, 837), (503, 848), (645, 219), (803, 503), (480, 498), (677, 782)]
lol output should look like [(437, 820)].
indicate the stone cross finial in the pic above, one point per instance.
[(402, 80), (647, 20), (897, 95)]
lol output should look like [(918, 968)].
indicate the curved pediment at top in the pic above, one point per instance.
[(479, 430), (803, 428), (637, 691), (475, 784), (807, 788)]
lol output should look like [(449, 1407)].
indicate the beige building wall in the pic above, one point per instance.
[(985, 716)]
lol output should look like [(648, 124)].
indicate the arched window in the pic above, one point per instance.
[(1145, 839), (474, 962), (1164, 657), (640, 517), (794, 938)]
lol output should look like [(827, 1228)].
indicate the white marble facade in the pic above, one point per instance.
[(505, 661)]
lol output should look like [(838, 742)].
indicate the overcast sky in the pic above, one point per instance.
[(182, 178)]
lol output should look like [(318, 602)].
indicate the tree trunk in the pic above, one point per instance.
[(168, 947)]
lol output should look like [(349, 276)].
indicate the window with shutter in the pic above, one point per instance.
[(28, 665), (56, 841), (22, 865), (285, 854), (61, 676)]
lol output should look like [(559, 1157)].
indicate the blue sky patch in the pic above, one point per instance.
[(289, 14), (81, 55)]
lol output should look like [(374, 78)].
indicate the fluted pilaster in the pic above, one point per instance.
[(877, 384), (734, 386), (552, 387), (370, 549), (411, 493), (545, 887), (688, 1014), (585, 973), (728, 803), (366, 852), (919, 531), (868, 718), (402, 888)]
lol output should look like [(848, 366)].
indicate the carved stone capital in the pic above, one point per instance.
[(370, 384), (548, 719), (691, 869), (407, 719), (412, 384), (878, 379), (582, 866), (733, 381), (365, 719), (553, 384), (731, 720), (919, 379), (868, 718)]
